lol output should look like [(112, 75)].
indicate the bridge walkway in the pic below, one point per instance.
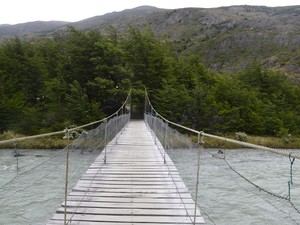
[(134, 186)]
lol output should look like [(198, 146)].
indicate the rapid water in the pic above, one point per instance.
[(33, 196), (225, 197)]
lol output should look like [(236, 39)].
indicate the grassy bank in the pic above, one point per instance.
[(53, 142), (57, 142), (272, 142)]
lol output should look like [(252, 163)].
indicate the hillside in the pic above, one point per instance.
[(28, 30), (226, 38), (116, 19)]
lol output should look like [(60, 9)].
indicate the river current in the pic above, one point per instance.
[(227, 193)]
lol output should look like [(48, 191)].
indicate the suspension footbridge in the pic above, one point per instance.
[(138, 184), (133, 180)]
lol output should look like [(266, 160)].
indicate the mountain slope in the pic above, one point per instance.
[(28, 30), (226, 38), (116, 18)]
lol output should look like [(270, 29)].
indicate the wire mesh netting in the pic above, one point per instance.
[(32, 183), (240, 186), (168, 137)]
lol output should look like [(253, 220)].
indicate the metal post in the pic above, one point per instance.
[(117, 124), (152, 118), (200, 144), (105, 141), (17, 157), (165, 142), (66, 181), (145, 105), (84, 134), (154, 129), (129, 111), (122, 119)]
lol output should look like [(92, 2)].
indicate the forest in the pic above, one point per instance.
[(75, 77)]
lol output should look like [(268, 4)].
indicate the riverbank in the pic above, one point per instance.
[(53, 142), (272, 142), (57, 142)]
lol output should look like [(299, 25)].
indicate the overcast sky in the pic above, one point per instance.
[(20, 11)]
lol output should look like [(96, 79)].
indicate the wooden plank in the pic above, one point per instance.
[(130, 182), (132, 219), (137, 212), (135, 205), (61, 222), (120, 186), (134, 175), (156, 165), (136, 190), (126, 179), (85, 198), (91, 171), (132, 195), (141, 169)]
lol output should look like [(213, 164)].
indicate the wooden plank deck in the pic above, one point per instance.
[(133, 187)]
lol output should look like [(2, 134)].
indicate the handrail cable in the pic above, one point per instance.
[(14, 140), (245, 144)]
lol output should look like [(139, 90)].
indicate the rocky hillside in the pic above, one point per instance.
[(226, 38), (29, 30), (118, 19)]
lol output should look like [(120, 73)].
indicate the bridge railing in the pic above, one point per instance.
[(161, 127)]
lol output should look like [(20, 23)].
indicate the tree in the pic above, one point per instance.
[(241, 107), (146, 59), (22, 75), (80, 110), (173, 101)]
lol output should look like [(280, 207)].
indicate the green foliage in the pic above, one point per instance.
[(79, 77), (256, 101), (75, 78), (77, 102), (145, 56), (176, 105)]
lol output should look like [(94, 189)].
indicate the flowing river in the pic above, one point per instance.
[(226, 193), (228, 197)]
